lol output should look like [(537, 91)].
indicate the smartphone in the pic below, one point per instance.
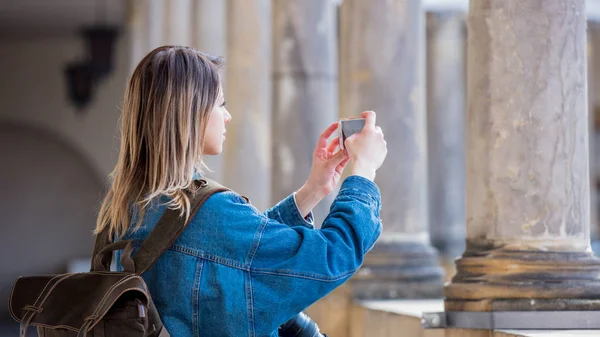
[(348, 127)]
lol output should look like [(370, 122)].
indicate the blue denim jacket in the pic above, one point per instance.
[(238, 272)]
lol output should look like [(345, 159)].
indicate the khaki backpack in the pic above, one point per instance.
[(103, 303)]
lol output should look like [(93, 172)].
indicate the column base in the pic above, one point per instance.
[(397, 270), (503, 279)]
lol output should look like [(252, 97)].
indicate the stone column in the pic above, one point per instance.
[(304, 90), (209, 35), (154, 23), (140, 29), (136, 22), (446, 96), (528, 228), (209, 27), (593, 54), (196, 23), (382, 68), (178, 22), (248, 146)]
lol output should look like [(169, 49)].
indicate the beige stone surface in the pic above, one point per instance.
[(413, 308), (550, 333), (247, 163), (332, 312), (196, 23), (527, 130), (477, 333), (391, 318), (446, 115), (382, 68), (209, 35), (178, 27), (304, 91), (403, 318), (153, 23), (592, 51), (366, 322)]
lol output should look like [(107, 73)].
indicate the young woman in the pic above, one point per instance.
[(234, 271)]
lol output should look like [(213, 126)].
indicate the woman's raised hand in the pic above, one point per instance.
[(367, 150)]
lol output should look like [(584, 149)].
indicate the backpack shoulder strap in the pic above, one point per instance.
[(172, 224), (104, 261)]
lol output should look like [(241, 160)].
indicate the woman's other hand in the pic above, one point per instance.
[(366, 150), (328, 163)]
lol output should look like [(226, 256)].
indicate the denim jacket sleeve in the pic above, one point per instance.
[(293, 267), (286, 211)]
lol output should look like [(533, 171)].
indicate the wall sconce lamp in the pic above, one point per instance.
[(82, 76)]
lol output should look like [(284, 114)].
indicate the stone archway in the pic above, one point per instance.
[(49, 196)]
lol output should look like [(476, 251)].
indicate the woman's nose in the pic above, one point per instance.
[(227, 117)]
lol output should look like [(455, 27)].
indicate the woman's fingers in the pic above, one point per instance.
[(340, 168), (322, 143), (333, 144)]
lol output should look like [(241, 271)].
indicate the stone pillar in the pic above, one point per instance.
[(446, 96), (209, 35), (136, 22), (178, 22), (210, 27), (528, 229), (155, 22), (382, 68), (593, 54), (248, 146), (139, 28), (158, 22), (196, 23), (304, 90)]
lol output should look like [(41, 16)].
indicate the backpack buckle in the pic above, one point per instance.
[(37, 310)]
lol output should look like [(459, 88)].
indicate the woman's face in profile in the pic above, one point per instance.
[(215, 130)]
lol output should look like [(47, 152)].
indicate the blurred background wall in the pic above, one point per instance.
[(55, 156)]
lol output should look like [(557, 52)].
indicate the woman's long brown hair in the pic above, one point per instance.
[(168, 101)]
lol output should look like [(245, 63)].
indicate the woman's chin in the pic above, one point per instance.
[(212, 152)]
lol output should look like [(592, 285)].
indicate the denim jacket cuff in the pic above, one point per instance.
[(290, 214), (362, 188)]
